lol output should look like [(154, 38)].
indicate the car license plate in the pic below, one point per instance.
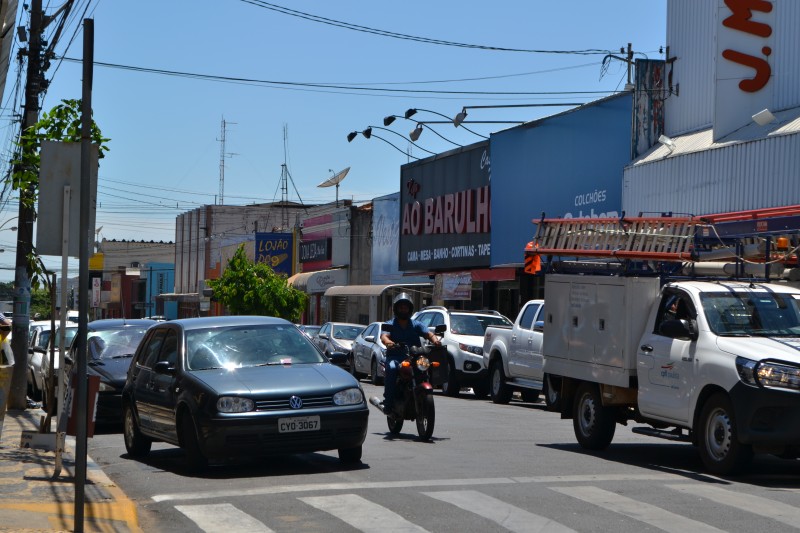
[(298, 423)]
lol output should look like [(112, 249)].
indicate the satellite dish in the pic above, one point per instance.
[(335, 180)]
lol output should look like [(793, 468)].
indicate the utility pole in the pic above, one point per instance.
[(34, 82)]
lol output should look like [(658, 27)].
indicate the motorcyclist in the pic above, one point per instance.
[(406, 331)]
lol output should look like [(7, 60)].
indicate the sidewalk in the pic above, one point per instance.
[(31, 500)]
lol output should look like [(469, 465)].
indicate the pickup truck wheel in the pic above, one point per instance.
[(593, 423), (500, 391), (451, 387), (718, 440), (552, 393)]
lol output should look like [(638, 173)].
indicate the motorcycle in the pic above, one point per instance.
[(419, 370)]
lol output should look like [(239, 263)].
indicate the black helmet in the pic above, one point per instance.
[(406, 299)]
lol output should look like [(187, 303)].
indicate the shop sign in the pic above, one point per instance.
[(275, 249), (316, 250), (445, 211), (453, 286)]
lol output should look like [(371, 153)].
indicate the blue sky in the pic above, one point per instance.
[(164, 155)]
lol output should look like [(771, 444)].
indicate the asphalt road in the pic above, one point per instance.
[(489, 467)]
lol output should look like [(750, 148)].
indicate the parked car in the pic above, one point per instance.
[(39, 354), (239, 386), (309, 330), (338, 337), (464, 341), (369, 354), (111, 344)]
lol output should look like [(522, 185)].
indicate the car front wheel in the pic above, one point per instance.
[(137, 444)]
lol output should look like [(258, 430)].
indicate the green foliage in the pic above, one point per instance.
[(40, 304), (62, 123), (248, 288)]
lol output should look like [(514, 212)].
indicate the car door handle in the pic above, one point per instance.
[(646, 348)]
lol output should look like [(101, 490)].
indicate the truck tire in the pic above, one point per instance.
[(552, 392), (500, 391), (593, 423), (718, 440)]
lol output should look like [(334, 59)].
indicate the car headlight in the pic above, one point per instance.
[(348, 397), (105, 387), (768, 374), (234, 404), (423, 363), (477, 350)]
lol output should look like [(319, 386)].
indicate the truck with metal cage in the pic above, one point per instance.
[(687, 327)]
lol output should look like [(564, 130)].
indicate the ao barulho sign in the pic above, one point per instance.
[(276, 250), (445, 213)]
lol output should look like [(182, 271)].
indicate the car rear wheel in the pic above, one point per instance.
[(552, 392), (594, 424), (451, 387), (137, 444)]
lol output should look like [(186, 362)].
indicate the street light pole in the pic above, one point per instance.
[(22, 283)]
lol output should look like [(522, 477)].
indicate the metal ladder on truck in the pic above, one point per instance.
[(763, 235)]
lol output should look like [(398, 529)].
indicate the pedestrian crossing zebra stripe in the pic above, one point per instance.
[(222, 517), (781, 512), (641, 511), (362, 514), (506, 515)]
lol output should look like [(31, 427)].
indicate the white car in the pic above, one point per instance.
[(39, 355), (369, 354)]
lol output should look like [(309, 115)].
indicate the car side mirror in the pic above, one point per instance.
[(369, 338), (39, 349), (164, 368), (440, 329), (386, 328), (323, 336), (339, 358), (538, 325), (678, 329)]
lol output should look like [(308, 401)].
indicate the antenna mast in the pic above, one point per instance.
[(222, 156), (285, 181)]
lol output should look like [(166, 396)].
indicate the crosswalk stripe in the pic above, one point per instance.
[(781, 512), (222, 517), (644, 512), (362, 514), (508, 516)]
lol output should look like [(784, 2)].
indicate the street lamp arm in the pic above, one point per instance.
[(398, 134), (450, 120), (395, 147)]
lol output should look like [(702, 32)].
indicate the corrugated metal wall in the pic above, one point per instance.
[(690, 38), (737, 177), (691, 32)]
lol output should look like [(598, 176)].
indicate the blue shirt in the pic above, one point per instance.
[(410, 335)]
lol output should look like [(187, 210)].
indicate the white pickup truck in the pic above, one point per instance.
[(512, 356), (715, 363)]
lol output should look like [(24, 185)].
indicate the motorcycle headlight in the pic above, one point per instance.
[(348, 397), (234, 404), (423, 363), (477, 350), (768, 374)]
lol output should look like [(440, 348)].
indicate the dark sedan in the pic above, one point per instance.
[(231, 387), (111, 344)]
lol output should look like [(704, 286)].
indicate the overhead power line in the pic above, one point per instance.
[(234, 79), (407, 37)]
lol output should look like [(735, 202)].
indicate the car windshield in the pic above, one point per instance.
[(114, 343), (476, 324), (311, 330), (244, 346), (767, 314), (346, 332)]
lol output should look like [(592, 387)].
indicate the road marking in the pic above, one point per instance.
[(781, 512), (362, 514), (506, 515), (416, 483), (643, 512), (222, 517)]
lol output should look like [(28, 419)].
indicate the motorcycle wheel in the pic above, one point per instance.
[(395, 424), (426, 418)]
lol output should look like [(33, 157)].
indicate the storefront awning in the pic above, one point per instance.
[(318, 281), (370, 290)]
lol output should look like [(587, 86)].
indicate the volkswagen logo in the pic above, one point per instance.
[(295, 402)]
